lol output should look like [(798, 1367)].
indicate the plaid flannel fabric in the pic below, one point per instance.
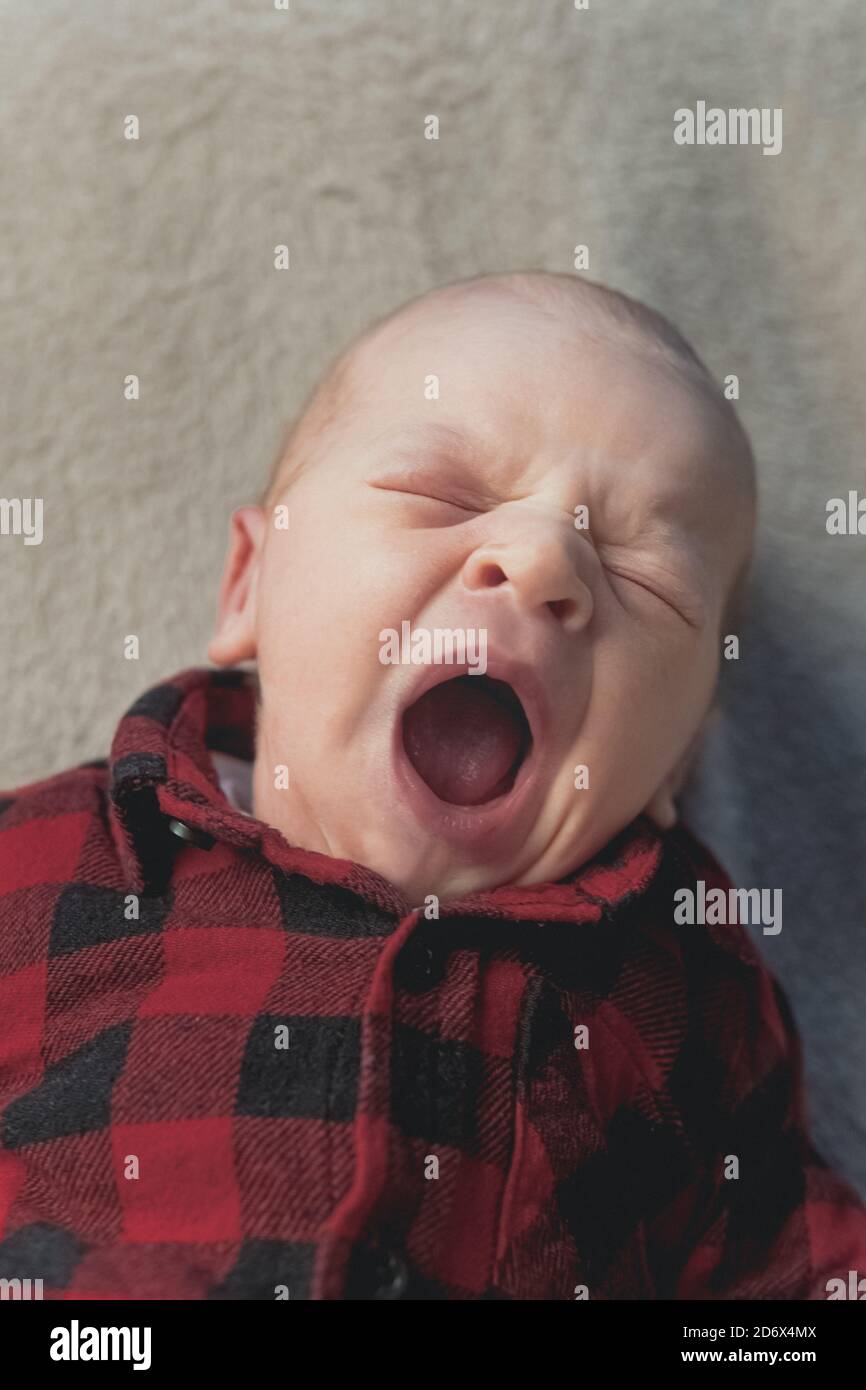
[(233, 1069)]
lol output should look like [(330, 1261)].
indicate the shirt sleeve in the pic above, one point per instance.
[(773, 1220)]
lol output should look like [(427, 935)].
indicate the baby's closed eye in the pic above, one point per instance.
[(672, 585), (439, 496)]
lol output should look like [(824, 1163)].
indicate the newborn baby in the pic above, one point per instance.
[(357, 975), (535, 458)]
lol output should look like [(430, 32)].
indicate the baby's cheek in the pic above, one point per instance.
[(673, 665)]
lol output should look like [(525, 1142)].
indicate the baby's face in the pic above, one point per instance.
[(458, 513)]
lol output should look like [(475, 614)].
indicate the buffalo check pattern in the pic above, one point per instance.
[(429, 1126)]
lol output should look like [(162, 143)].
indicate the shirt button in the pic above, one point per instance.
[(419, 965), (376, 1273), (191, 835), (392, 1276)]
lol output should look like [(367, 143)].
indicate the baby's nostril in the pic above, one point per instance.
[(490, 576), (562, 608)]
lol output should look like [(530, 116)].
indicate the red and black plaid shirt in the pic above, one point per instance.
[(232, 1069)]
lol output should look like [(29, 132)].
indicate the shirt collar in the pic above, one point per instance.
[(161, 769)]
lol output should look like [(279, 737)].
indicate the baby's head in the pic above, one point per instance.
[(536, 474)]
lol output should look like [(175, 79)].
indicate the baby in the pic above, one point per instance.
[(358, 975), (439, 473)]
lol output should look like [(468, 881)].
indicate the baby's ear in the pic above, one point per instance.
[(234, 638), (662, 805)]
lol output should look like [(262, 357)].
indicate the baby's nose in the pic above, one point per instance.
[(542, 570)]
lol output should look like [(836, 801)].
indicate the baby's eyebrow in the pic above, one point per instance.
[(424, 440)]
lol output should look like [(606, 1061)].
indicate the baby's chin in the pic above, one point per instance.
[(422, 865), (426, 847), (451, 881), (468, 850), (440, 881)]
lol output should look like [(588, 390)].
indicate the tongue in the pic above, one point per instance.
[(465, 737)]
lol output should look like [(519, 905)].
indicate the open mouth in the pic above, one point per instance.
[(467, 739)]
